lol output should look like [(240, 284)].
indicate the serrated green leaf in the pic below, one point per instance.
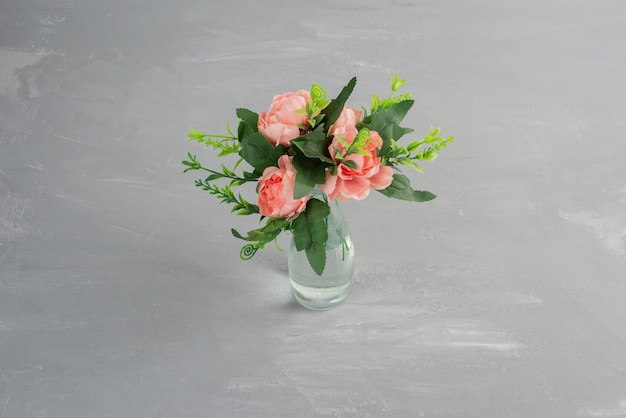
[(400, 188), (310, 233), (334, 108), (386, 123), (249, 117), (314, 144), (309, 172), (258, 150)]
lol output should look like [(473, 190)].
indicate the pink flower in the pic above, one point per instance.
[(281, 123), (276, 191), (355, 183), (348, 117)]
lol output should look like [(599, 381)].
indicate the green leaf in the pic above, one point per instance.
[(250, 176), (248, 117), (244, 130), (236, 234), (334, 108), (310, 234), (309, 172), (272, 228), (413, 146), (400, 188), (314, 144), (213, 176), (257, 150), (387, 123), (195, 134), (310, 161), (351, 164), (192, 164)]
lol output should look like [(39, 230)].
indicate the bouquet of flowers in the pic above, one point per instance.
[(303, 141)]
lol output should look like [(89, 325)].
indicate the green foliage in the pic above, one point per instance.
[(310, 233), (318, 96), (400, 188), (309, 172), (313, 161), (387, 123), (358, 146), (267, 233), (334, 108), (257, 150), (310, 161), (314, 145), (248, 117), (227, 173), (426, 149), (386, 103), (261, 236), (226, 195), (225, 144), (192, 163), (314, 109), (396, 82)]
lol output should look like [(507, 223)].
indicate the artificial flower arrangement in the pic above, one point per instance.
[(303, 141)]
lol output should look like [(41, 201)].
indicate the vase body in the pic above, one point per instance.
[(332, 287)]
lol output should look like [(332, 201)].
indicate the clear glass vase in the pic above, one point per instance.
[(332, 287)]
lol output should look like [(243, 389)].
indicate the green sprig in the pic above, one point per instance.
[(226, 144), (387, 102), (226, 195), (426, 149), (261, 236), (226, 173)]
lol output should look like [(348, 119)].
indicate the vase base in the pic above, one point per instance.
[(319, 298)]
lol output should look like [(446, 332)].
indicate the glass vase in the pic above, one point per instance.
[(332, 287)]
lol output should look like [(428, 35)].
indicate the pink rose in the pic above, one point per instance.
[(355, 183), (281, 123), (276, 191), (348, 117)]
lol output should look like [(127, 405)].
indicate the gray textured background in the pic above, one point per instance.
[(121, 291)]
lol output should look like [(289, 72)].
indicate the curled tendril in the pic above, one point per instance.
[(362, 138), (318, 93), (248, 251)]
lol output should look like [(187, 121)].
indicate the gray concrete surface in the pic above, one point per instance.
[(121, 291)]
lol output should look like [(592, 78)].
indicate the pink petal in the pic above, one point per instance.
[(383, 178)]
